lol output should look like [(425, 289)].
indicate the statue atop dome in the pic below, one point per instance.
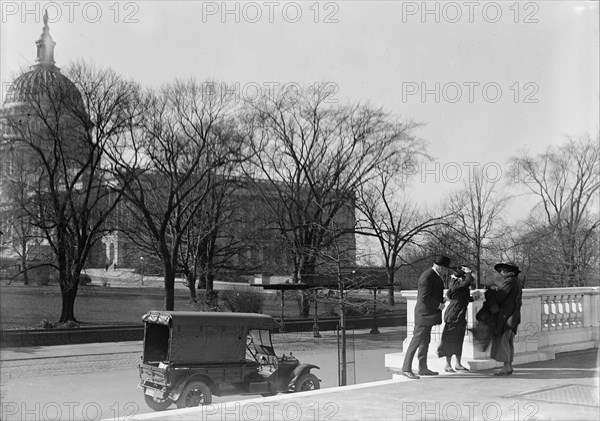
[(45, 45)]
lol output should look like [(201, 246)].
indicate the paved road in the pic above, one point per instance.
[(97, 381)]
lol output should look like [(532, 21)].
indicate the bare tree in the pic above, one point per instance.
[(210, 242), (388, 217), (310, 158), (22, 237), (567, 182), (477, 209), (174, 161), (64, 127)]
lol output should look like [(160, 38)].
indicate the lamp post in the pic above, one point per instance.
[(316, 333), (282, 328), (374, 329), (142, 269)]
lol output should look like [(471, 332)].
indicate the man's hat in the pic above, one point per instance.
[(510, 266), (443, 261)]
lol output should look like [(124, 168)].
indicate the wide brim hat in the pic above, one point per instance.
[(510, 266), (443, 261)]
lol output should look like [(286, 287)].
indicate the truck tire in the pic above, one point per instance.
[(194, 394), (307, 381), (156, 403)]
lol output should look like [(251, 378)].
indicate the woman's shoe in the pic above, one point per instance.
[(449, 370), (461, 368), (502, 373)]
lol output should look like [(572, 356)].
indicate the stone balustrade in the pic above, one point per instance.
[(553, 320)]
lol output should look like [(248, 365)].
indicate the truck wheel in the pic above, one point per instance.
[(195, 394), (156, 403), (307, 381)]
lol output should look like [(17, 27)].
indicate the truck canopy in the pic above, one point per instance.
[(188, 337)]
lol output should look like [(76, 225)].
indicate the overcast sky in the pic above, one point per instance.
[(487, 78)]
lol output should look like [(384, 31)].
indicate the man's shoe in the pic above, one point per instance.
[(409, 374), (428, 372)]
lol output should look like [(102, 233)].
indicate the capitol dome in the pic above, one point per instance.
[(44, 78)]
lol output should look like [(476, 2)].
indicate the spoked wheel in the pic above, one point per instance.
[(157, 404), (307, 381), (195, 394)]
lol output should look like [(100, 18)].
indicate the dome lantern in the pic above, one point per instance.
[(45, 45)]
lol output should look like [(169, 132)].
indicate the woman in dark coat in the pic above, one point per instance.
[(455, 318), (508, 296)]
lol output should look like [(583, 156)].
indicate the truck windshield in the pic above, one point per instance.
[(258, 344)]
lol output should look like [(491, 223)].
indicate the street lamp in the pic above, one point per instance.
[(374, 329), (316, 333), (142, 269)]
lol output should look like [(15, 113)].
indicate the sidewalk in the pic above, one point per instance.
[(562, 389)]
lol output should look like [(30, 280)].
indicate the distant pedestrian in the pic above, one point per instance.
[(428, 312), (508, 295), (455, 317)]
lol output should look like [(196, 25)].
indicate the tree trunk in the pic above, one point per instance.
[(478, 270), (307, 276), (68, 302), (169, 292), (191, 284), (390, 280), (210, 280), (24, 269)]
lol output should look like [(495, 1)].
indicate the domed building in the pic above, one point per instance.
[(43, 78), (42, 113)]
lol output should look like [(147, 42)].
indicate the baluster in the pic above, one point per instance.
[(552, 318), (579, 304), (573, 309), (567, 321), (560, 313), (545, 313)]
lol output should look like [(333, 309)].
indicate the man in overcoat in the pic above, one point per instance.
[(428, 313)]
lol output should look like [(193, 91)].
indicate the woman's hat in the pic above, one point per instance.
[(458, 272), (509, 266), (443, 261)]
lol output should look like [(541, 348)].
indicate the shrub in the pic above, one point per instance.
[(84, 279), (46, 324), (212, 300), (243, 300), (42, 275)]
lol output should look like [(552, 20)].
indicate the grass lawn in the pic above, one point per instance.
[(24, 307)]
